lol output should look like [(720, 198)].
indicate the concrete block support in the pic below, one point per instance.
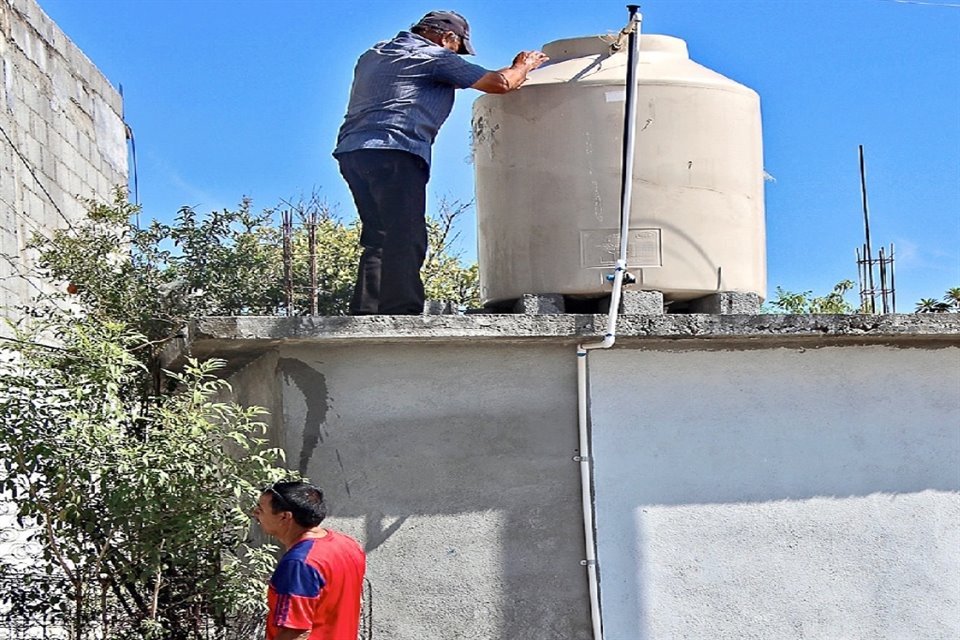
[(726, 303), (439, 308), (637, 303), (542, 304)]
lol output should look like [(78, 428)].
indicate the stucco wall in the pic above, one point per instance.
[(778, 493), (61, 136), (768, 477), (453, 465), (756, 477)]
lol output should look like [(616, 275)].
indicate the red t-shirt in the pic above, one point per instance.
[(317, 586)]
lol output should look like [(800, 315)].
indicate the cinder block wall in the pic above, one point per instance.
[(61, 136)]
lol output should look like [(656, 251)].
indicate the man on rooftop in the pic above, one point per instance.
[(403, 91)]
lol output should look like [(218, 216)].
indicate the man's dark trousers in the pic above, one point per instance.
[(389, 188)]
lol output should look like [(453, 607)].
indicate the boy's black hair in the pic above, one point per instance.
[(302, 499)]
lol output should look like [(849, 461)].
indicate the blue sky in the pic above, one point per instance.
[(238, 97)]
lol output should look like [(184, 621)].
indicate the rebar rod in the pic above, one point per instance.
[(286, 224), (312, 239), (893, 285), (866, 228)]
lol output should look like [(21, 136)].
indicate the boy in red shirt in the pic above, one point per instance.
[(314, 593)]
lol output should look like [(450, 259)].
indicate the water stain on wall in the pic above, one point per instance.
[(313, 385)]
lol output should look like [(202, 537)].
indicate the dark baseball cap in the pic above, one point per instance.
[(450, 21)]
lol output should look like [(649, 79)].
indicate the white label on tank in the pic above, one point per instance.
[(617, 96), (599, 248)]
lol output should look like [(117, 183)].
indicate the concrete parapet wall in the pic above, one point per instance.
[(62, 136), (769, 477), (240, 337)]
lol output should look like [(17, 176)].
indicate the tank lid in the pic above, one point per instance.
[(569, 48)]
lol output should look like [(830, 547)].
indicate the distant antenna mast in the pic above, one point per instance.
[(866, 262)]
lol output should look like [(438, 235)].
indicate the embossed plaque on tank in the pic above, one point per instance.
[(599, 248)]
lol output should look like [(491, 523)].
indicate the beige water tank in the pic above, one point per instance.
[(547, 160)]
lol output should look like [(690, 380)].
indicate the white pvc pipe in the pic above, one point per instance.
[(585, 457), (586, 495)]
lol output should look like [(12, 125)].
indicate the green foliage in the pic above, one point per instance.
[(949, 303), (134, 480), (444, 277), (137, 489), (337, 253), (931, 305), (135, 503), (952, 298), (93, 261), (805, 302), (228, 263)]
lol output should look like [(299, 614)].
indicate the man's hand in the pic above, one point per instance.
[(529, 59), (512, 77)]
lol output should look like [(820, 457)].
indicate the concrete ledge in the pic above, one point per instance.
[(244, 338)]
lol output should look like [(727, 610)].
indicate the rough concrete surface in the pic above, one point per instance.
[(454, 468), (767, 477), (638, 303), (727, 303), (242, 338), (539, 304)]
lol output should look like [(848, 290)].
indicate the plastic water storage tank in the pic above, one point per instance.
[(547, 160)]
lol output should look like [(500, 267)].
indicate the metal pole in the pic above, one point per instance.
[(286, 223), (629, 129), (866, 227), (893, 285), (883, 281), (860, 280), (312, 231)]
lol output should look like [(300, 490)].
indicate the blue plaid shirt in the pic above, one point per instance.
[(402, 92)]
